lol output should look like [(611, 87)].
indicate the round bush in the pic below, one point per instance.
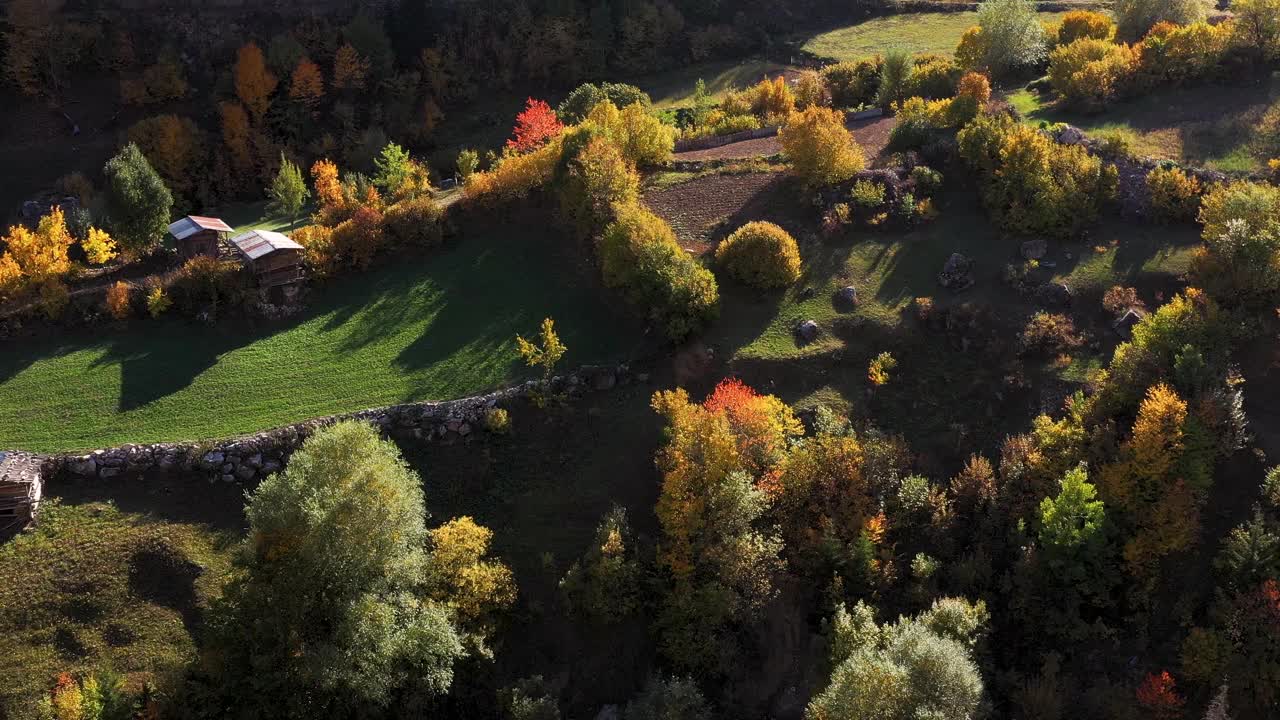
[(760, 254)]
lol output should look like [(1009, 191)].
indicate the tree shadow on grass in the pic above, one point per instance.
[(154, 368)]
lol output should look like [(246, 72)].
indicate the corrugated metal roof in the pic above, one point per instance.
[(256, 243), (192, 224)]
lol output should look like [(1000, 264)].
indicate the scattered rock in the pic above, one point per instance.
[(1034, 249), (957, 273), (808, 331), (244, 472), (847, 295), (807, 293)]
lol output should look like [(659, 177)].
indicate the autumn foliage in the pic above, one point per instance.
[(307, 84), (349, 69), (535, 125), (254, 82), (1158, 695)]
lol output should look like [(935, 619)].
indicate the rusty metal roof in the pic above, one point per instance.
[(256, 243), (192, 224)]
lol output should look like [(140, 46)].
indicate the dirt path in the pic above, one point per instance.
[(872, 134)]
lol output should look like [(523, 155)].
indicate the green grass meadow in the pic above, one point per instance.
[(1211, 126), (936, 32), (429, 327)]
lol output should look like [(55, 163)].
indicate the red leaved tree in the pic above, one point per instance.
[(1158, 696), (536, 125)]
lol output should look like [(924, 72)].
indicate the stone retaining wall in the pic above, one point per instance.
[(250, 458), (713, 141)]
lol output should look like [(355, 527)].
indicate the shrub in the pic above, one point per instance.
[(586, 96), (117, 303), (894, 70), (934, 78), (674, 699), (1256, 27), (1135, 17), (971, 52), (811, 90), (515, 176), (1079, 24), (926, 178), (772, 98), (1118, 300), (972, 94), (820, 148), (880, 367), (98, 247), (54, 298), (158, 302), (643, 139), (1089, 72), (1030, 184), (1190, 53), (497, 421), (317, 250), (639, 255), (203, 284), (414, 222), (919, 120), (1011, 36), (357, 240), (468, 163), (1267, 138), (853, 84), (1049, 333), (867, 194), (1241, 258), (761, 255), (598, 177), (1175, 195)]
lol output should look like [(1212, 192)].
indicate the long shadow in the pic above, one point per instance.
[(151, 369)]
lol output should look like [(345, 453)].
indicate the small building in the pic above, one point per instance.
[(276, 261), (195, 236), (20, 491)]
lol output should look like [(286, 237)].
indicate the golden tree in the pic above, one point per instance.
[(820, 148), (349, 69), (254, 82), (307, 84), (98, 247)]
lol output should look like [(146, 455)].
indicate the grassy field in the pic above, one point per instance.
[(675, 88), (431, 327), (92, 587), (917, 32), (1207, 126)]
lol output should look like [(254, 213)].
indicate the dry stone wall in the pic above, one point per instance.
[(250, 458)]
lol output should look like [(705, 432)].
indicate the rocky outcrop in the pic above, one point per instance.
[(957, 273), (247, 459)]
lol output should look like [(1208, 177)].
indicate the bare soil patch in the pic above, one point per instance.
[(704, 210)]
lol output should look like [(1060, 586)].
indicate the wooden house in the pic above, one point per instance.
[(195, 236), (276, 261), (20, 491)]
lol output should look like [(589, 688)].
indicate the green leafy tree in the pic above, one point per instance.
[(1135, 17), (668, 699), (138, 204), (703, 104), (288, 191), (468, 163), (900, 671), (1257, 26), (392, 168), (1012, 36), (544, 354), (1074, 518), (330, 616)]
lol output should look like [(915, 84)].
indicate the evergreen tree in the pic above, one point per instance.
[(138, 204)]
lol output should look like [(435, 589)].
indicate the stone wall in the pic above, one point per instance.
[(250, 458)]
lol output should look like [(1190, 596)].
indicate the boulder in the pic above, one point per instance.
[(1034, 249), (1054, 294), (244, 472), (109, 472), (1070, 135), (214, 458), (957, 273), (808, 331), (847, 295)]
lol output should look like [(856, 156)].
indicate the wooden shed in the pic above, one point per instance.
[(276, 260), (20, 491), (195, 236)]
